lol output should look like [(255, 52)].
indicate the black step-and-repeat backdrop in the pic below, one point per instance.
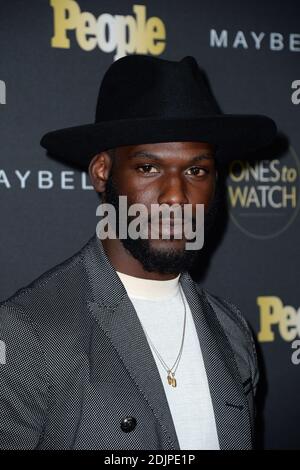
[(53, 54)]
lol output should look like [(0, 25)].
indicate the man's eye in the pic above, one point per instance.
[(198, 171), (147, 168)]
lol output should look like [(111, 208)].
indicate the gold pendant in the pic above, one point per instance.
[(171, 379)]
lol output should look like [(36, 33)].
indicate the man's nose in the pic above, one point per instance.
[(172, 191)]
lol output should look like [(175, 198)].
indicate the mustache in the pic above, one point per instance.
[(164, 221)]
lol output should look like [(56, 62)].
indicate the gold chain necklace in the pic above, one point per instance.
[(170, 372)]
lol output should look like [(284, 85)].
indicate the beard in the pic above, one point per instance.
[(167, 260)]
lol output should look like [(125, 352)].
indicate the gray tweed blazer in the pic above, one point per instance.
[(76, 371)]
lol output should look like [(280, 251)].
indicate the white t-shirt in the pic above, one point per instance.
[(159, 307)]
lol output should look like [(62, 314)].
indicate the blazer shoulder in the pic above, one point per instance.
[(62, 280), (229, 314), (236, 328)]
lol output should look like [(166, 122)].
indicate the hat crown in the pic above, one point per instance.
[(145, 99), (140, 86)]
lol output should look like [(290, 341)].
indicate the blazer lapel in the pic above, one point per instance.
[(226, 388), (116, 316)]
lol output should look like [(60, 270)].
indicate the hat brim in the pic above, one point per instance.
[(234, 134)]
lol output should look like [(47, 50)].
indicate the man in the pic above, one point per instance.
[(118, 347)]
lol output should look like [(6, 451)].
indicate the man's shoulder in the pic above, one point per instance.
[(228, 313), (50, 288), (238, 333), (233, 322)]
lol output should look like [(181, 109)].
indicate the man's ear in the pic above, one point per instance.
[(99, 170)]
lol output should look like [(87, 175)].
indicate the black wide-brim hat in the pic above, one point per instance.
[(144, 99)]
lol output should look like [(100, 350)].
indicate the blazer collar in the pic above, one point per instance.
[(115, 314)]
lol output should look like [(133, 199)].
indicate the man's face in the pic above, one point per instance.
[(163, 173)]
